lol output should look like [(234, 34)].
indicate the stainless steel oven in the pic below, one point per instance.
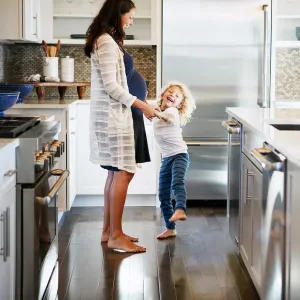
[(272, 166), (38, 184), (234, 129)]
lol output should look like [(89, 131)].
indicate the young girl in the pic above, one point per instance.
[(176, 105)]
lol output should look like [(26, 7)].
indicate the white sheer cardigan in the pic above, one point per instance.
[(111, 124)]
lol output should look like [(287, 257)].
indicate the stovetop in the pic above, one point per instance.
[(13, 126)]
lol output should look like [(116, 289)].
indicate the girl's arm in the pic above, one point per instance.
[(167, 117)]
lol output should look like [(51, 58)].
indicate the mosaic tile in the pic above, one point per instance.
[(26, 59), (287, 74)]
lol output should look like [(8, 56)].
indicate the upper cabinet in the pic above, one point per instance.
[(287, 20), (19, 20), (71, 18)]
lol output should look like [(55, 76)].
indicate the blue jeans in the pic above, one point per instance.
[(172, 176)]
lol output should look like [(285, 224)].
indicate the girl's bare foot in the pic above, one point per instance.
[(105, 237), (179, 214), (123, 244), (166, 234)]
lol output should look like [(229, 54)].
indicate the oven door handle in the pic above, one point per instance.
[(63, 176), (231, 127), (266, 164)]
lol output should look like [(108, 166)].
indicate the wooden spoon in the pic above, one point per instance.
[(52, 51), (45, 47), (57, 48)]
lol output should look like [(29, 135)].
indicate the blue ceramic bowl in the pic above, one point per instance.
[(8, 99), (24, 88)]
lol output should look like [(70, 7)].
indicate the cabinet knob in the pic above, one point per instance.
[(10, 173)]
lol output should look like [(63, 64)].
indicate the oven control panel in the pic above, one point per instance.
[(45, 158)]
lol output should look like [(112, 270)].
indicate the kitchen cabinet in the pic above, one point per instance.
[(292, 261), (251, 220), (73, 17), (7, 245), (91, 177), (7, 221), (19, 20)]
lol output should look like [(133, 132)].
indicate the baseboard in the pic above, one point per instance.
[(132, 200)]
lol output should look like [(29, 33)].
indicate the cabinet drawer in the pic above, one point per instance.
[(7, 170), (250, 141)]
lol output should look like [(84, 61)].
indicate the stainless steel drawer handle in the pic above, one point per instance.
[(63, 176), (10, 173), (231, 127), (72, 119), (261, 159), (4, 248)]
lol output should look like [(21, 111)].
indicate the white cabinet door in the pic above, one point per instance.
[(19, 20), (71, 163), (30, 19), (90, 177), (7, 245)]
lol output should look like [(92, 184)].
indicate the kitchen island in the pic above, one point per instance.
[(268, 221)]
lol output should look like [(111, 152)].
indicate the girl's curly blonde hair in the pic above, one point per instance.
[(187, 106)]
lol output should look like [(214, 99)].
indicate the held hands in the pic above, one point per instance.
[(151, 112)]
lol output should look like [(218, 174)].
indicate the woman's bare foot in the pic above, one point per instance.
[(123, 244), (166, 234), (179, 214), (105, 237)]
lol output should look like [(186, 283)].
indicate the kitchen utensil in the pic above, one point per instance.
[(67, 69), (50, 66), (8, 99), (24, 89), (57, 48), (52, 51), (45, 47)]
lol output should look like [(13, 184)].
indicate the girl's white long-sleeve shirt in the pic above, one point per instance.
[(168, 135)]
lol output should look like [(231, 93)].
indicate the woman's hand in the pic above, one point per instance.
[(148, 111)]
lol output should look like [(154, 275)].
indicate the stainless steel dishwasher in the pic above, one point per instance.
[(234, 129), (272, 166)]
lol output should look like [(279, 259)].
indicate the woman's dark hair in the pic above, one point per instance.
[(108, 21)]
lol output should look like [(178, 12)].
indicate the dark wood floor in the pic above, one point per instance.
[(200, 263)]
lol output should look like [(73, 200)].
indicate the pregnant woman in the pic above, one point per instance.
[(117, 133)]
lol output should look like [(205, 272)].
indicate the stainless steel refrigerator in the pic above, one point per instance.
[(221, 50)]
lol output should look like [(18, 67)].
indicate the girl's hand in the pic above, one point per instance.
[(148, 111), (158, 114)]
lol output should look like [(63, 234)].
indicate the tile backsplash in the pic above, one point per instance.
[(19, 61), (288, 74)]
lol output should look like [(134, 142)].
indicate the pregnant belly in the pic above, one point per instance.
[(137, 87)]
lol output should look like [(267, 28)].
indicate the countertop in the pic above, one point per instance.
[(56, 103), (4, 143), (259, 120), (47, 103)]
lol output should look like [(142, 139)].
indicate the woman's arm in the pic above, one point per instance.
[(108, 62), (106, 53)]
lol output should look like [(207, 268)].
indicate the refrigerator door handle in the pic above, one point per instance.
[(265, 102), (206, 143)]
